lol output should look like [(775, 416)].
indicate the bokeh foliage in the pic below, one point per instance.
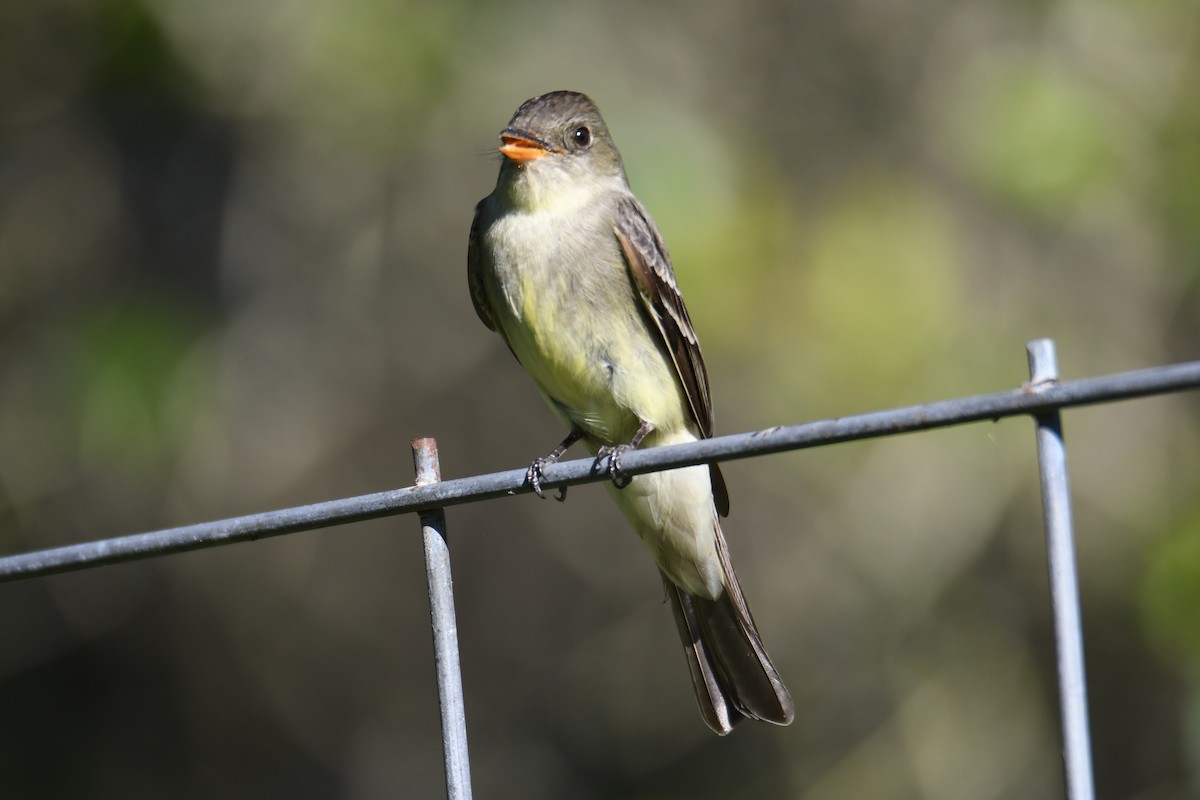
[(232, 278)]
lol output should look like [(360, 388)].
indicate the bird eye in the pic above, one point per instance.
[(582, 136)]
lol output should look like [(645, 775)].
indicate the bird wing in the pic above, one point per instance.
[(650, 267), (475, 273), (651, 271)]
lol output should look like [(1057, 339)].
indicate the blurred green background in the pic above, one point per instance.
[(232, 278)]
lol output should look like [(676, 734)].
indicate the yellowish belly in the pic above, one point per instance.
[(569, 312)]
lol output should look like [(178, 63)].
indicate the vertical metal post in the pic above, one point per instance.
[(445, 629), (1064, 580)]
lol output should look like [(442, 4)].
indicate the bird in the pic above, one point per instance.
[(568, 267)]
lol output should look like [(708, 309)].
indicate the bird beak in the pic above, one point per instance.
[(520, 149)]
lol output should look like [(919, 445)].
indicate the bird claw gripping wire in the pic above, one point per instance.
[(534, 476), (614, 455)]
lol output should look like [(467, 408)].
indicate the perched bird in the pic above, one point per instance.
[(569, 268)]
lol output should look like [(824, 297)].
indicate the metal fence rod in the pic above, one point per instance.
[(1064, 580), (445, 628), (942, 414)]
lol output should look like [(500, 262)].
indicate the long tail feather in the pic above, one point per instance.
[(731, 672)]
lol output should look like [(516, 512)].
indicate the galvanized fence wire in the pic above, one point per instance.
[(1064, 581), (1030, 399), (1042, 398)]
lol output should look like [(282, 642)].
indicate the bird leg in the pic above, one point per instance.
[(534, 474), (614, 454)]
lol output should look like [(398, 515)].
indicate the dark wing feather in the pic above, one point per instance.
[(650, 268), (475, 272)]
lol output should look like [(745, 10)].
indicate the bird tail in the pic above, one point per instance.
[(731, 672)]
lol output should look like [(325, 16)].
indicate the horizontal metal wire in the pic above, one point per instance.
[(1026, 400)]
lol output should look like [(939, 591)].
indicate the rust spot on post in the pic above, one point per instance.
[(425, 461)]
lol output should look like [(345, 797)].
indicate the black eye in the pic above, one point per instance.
[(582, 136)]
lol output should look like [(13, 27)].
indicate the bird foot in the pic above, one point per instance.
[(534, 476), (614, 454)]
